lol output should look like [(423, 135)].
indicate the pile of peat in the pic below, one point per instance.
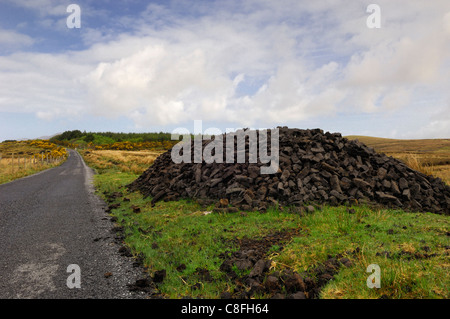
[(314, 167)]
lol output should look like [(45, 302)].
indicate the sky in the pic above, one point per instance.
[(150, 66)]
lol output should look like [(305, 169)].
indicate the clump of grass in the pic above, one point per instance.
[(134, 162), (9, 172), (413, 162)]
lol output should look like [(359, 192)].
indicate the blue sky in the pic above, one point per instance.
[(143, 66)]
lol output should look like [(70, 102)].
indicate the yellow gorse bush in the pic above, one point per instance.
[(52, 150), (131, 146), (23, 158)]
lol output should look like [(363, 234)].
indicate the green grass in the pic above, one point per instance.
[(99, 139), (397, 241), (175, 233)]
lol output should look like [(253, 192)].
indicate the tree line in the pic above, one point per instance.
[(111, 137)]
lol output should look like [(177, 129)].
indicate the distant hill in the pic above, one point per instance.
[(47, 137), (430, 156), (388, 145)]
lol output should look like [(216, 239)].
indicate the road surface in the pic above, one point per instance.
[(50, 221)]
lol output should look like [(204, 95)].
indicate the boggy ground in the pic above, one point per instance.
[(250, 269), (252, 258), (203, 254)]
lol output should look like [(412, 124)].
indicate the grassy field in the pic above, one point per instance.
[(430, 156), (125, 161), (23, 158), (412, 249)]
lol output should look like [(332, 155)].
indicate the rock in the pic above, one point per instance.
[(144, 285), (329, 168), (145, 282), (394, 188), (402, 183), (386, 184), (335, 185), (232, 190), (415, 190), (338, 195), (314, 168), (285, 175), (407, 194), (243, 264), (310, 209), (360, 183), (135, 209), (248, 199), (159, 276), (260, 267), (272, 283), (293, 282), (215, 181), (125, 251), (381, 173)]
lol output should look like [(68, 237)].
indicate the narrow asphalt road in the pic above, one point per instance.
[(51, 220)]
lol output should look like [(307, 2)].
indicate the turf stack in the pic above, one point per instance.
[(314, 167)]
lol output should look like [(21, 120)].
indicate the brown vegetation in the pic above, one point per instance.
[(126, 161), (23, 158), (429, 156)]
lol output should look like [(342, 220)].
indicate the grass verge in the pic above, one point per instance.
[(9, 173), (23, 158)]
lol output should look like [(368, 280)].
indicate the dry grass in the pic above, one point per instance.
[(429, 156), (13, 169), (416, 163), (126, 161), (388, 145), (23, 158)]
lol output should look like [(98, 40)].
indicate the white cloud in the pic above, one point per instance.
[(302, 59), (12, 40), (438, 125), (43, 7)]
